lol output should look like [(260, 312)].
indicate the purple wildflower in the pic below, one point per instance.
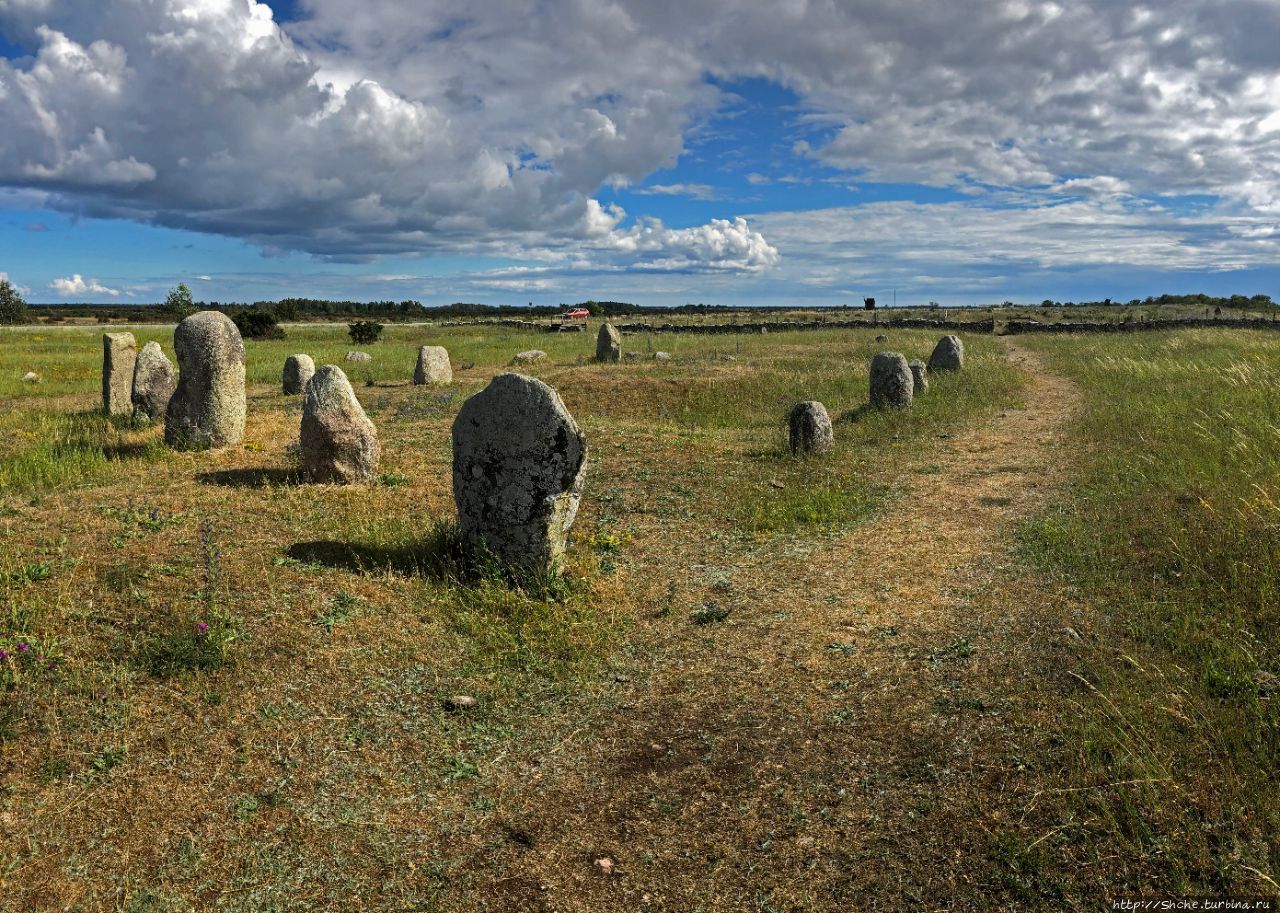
[(24, 647), (202, 628), (4, 654)]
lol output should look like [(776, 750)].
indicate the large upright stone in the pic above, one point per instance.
[(919, 377), (208, 407), (298, 369), (810, 429), (119, 352), (948, 354), (609, 344), (518, 465), (891, 383), (337, 441), (154, 380), (433, 366)]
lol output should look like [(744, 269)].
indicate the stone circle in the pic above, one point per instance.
[(119, 352), (337, 441), (608, 344), (891, 383), (433, 366), (810, 428), (948, 354), (154, 380), (919, 377), (207, 408), (519, 460), (298, 369)]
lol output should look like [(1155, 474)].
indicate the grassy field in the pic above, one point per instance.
[(1170, 533), (225, 689)]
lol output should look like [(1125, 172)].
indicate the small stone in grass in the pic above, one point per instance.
[(604, 865), (457, 702)]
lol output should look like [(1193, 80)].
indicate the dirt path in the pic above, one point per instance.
[(856, 731)]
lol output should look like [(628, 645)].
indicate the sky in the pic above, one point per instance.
[(806, 152)]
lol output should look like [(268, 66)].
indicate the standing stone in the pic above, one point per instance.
[(609, 344), (154, 380), (518, 464), (338, 442), (919, 377), (208, 406), (119, 352), (433, 366), (810, 429), (298, 369), (891, 383), (948, 354)]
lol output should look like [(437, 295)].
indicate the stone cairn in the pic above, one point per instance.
[(337, 441), (919, 377), (208, 406), (519, 460), (433, 366), (119, 352), (359, 356), (608, 344), (154, 380), (298, 369), (948, 354), (891, 383), (810, 429)]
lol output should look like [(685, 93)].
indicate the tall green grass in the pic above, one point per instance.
[(1171, 534), (52, 450)]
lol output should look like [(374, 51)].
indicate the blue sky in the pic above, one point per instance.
[(551, 152)]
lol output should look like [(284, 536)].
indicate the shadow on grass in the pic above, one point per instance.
[(147, 450), (857, 414), (406, 561), (261, 477), (440, 555)]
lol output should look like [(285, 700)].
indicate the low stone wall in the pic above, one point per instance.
[(714, 329), (1002, 327), (1014, 327)]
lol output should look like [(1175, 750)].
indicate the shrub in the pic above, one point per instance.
[(257, 324), (363, 331), (13, 308)]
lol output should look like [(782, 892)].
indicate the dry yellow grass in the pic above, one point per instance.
[(851, 729)]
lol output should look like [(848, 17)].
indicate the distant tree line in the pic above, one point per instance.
[(259, 318), (1241, 302)]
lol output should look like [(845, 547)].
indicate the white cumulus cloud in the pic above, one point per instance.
[(384, 128), (76, 285)]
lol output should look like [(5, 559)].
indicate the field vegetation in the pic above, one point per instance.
[(226, 689), (1169, 532), (1014, 648)]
